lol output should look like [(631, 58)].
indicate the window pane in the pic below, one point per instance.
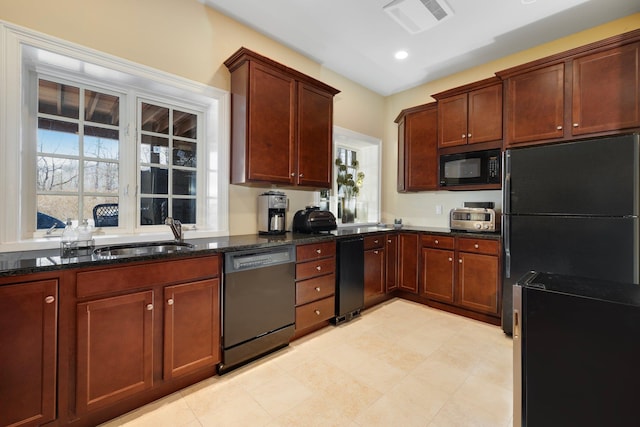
[(100, 177), (155, 119), (184, 124), (101, 143), (154, 149), (153, 210), (101, 211), (56, 174), (55, 137), (52, 208), (184, 182), (184, 210), (101, 108), (58, 99), (184, 154), (154, 180)]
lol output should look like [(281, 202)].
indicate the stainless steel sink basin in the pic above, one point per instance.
[(121, 251)]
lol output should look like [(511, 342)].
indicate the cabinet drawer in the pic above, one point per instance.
[(316, 288), (438, 242), (480, 246), (116, 279), (374, 242), (315, 312), (306, 270), (315, 251)]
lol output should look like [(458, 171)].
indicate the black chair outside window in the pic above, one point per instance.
[(105, 215)]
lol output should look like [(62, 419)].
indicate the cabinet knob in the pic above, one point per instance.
[(376, 252), (301, 175), (293, 174), (317, 288), (170, 301), (436, 241), (318, 268), (318, 251), (460, 261), (49, 299), (450, 259), (149, 307), (559, 127), (575, 125), (464, 136), (469, 135), (317, 312), (376, 241), (476, 246), (389, 241)]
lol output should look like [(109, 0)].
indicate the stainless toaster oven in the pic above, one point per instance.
[(474, 219)]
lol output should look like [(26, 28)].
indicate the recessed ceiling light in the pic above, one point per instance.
[(401, 54)]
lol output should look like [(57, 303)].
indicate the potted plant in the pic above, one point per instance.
[(348, 188)]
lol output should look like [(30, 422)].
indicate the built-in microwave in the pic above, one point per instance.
[(470, 168)]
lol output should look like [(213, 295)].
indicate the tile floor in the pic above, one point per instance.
[(400, 364)]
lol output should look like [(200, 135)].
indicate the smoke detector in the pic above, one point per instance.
[(417, 16)]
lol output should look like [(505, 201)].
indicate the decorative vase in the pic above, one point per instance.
[(348, 210)]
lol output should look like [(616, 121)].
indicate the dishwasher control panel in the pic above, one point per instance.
[(245, 260)]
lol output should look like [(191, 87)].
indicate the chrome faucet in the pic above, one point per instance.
[(176, 228)]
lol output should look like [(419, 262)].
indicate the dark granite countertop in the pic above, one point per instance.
[(19, 263)]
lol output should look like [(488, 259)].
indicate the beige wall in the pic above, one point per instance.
[(186, 38)]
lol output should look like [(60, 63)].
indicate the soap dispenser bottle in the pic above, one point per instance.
[(69, 234)]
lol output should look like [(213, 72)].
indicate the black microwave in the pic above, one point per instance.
[(472, 168)]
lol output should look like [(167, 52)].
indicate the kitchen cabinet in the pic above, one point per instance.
[(391, 260), (28, 348), (418, 148), (374, 269), (408, 249), (463, 272), (144, 327), (281, 124), (588, 91), (470, 114), (315, 286)]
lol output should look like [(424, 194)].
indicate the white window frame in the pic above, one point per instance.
[(14, 118)]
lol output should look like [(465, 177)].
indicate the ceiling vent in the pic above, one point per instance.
[(416, 16)]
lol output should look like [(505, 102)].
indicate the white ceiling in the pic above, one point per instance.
[(357, 39)]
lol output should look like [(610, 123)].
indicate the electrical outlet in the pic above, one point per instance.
[(438, 209)]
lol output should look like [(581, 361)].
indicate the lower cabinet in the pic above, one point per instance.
[(462, 272), (28, 348), (141, 329), (374, 269), (315, 286), (391, 261), (408, 263)]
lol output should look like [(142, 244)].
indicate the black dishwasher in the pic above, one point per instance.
[(349, 278), (258, 304)]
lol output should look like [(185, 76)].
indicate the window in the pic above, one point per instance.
[(78, 141), (83, 131)]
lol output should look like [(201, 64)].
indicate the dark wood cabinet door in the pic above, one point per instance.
[(28, 321), (485, 115), (438, 274), (606, 91), (478, 282), (115, 355), (408, 261), (315, 133), (418, 150), (391, 257), (374, 277), (534, 108), (452, 121), (191, 327), (270, 126)]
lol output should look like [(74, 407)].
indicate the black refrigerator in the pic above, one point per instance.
[(572, 209), (575, 352)]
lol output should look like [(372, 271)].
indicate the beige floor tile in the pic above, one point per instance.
[(280, 394), (171, 411)]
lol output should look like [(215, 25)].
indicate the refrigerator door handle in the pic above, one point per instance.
[(517, 357), (506, 242), (506, 184)]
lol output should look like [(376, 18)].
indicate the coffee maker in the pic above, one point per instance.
[(271, 212)]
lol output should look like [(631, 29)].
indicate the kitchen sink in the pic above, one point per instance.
[(141, 249)]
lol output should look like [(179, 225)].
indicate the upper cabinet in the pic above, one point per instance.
[(418, 148), (470, 114), (281, 124), (588, 91)]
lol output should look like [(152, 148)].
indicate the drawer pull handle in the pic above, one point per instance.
[(318, 288), (476, 246), (317, 312), (170, 301), (376, 241), (376, 252), (318, 268), (318, 251), (389, 241), (149, 307), (559, 127), (436, 241), (49, 299)]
